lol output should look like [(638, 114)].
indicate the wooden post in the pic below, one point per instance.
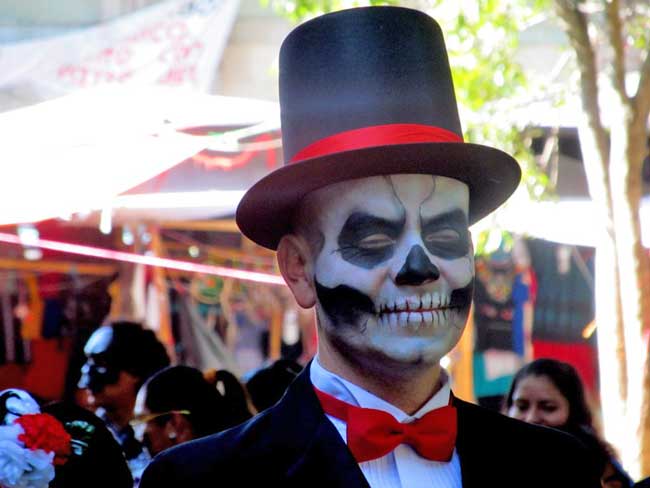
[(66, 267), (127, 292), (462, 371), (275, 333)]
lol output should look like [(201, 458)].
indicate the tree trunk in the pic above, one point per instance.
[(614, 175), (626, 156)]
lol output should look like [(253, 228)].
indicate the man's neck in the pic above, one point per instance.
[(119, 417), (406, 388)]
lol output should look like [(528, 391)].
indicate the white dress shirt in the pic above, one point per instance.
[(402, 468)]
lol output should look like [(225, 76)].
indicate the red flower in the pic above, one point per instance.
[(43, 431)]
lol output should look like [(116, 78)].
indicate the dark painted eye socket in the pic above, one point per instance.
[(448, 244), (367, 240), (376, 241), (367, 257), (447, 235), (442, 235)]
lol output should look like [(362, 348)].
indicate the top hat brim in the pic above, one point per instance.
[(265, 212)]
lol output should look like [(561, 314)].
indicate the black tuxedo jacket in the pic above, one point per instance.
[(293, 444)]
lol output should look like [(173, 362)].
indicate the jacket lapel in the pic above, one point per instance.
[(470, 453), (489, 449), (325, 459)]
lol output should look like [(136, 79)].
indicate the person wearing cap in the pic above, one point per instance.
[(370, 218)]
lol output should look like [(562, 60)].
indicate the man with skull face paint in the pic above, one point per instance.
[(370, 218), (120, 357)]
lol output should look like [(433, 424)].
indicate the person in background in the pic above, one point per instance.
[(176, 405), (96, 459), (233, 392), (550, 392), (120, 357), (267, 385)]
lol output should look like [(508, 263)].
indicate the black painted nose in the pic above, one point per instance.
[(417, 269)]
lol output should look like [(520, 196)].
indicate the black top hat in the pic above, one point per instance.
[(367, 92)]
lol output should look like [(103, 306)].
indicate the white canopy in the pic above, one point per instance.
[(78, 152)]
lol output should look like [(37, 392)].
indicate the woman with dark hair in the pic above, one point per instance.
[(233, 392), (267, 385), (565, 402), (178, 404), (550, 392)]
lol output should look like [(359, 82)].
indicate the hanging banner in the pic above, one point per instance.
[(175, 43)]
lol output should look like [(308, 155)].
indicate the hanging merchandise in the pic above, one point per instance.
[(206, 289), (502, 294), (32, 318), (493, 302), (565, 307), (565, 301), (13, 349), (198, 344)]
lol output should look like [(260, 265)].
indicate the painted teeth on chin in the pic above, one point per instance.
[(427, 301), (403, 318), (437, 318), (415, 318), (419, 318), (393, 320)]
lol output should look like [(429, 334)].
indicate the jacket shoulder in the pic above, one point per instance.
[(542, 456), (253, 450)]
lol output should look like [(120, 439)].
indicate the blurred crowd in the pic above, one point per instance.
[(137, 405)]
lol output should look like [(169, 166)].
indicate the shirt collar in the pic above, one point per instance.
[(348, 392)]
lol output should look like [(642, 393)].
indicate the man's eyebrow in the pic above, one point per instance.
[(453, 217), (363, 218)]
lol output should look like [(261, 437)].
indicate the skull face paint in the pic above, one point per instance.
[(101, 368), (395, 271)]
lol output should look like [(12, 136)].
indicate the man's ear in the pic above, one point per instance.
[(294, 260), (134, 382), (178, 429)]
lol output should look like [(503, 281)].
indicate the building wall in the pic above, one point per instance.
[(249, 64)]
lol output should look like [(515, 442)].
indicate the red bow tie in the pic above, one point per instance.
[(372, 433)]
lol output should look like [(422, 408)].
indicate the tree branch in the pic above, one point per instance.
[(614, 31), (642, 98), (576, 28)]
